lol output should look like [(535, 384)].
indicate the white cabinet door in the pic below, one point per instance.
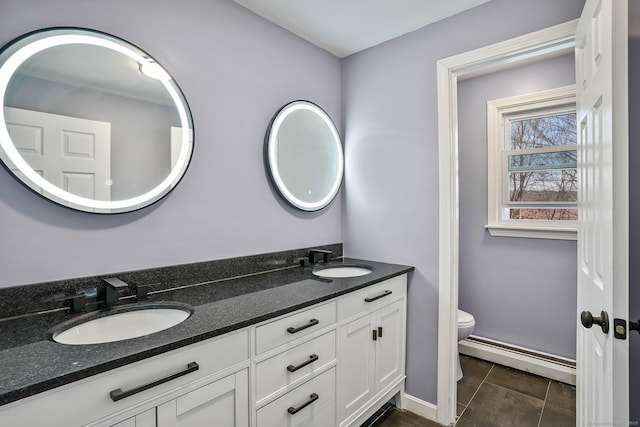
[(389, 344), (356, 365), (223, 403), (145, 419), (371, 353)]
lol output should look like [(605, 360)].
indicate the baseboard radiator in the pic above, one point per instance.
[(539, 363)]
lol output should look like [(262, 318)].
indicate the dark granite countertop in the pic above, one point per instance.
[(32, 362)]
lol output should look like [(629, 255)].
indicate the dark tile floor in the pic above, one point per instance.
[(491, 395)]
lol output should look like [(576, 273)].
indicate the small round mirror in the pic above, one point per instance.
[(90, 121), (303, 155)]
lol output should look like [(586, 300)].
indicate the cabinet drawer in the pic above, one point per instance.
[(286, 368), (89, 400), (289, 410), (294, 326), (372, 296)]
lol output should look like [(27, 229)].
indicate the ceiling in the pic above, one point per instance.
[(344, 27)]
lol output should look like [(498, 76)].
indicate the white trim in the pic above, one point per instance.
[(532, 232), (511, 357), (420, 407), (547, 42)]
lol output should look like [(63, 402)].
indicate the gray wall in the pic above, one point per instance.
[(634, 232), (505, 281), (236, 70), (391, 187)]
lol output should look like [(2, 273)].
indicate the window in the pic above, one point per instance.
[(532, 165)]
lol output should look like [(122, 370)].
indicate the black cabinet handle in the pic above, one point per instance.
[(382, 295), (312, 398), (311, 323), (118, 394), (375, 335), (379, 331), (312, 359)]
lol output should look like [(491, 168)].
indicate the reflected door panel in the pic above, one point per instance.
[(72, 153)]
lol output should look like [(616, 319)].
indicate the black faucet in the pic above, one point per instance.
[(314, 254), (77, 303), (112, 289)]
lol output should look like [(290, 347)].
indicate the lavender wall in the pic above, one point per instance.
[(391, 187), (236, 71), (634, 232), (505, 281)]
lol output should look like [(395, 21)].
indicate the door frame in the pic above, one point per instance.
[(549, 42)]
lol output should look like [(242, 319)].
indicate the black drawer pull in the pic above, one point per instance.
[(382, 295), (312, 322), (312, 398), (118, 394), (312, 359)]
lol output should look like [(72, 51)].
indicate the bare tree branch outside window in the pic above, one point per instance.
[(543, 181)]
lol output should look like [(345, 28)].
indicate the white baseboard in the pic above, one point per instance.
[(420, 407), (543, 364)]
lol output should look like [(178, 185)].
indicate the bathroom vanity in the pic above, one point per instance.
[(253, 341), (284, 348)]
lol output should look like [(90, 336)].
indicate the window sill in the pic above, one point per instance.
[(531, 232)]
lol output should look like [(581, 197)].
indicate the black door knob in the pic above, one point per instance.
[(588, 320)]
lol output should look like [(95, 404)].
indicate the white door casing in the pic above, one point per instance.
[(72, 153), (541, 44), (603, 226), (499, 56)]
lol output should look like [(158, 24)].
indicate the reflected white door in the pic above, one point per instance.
[(74, 154), (603, 225)]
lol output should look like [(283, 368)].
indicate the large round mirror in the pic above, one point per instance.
[(90, 121), (303, 155)]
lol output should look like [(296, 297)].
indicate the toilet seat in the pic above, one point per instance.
[(465, 319)]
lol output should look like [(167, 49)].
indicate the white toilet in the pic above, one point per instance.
[(466, 323)]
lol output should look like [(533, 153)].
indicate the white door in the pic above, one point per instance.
[(73, 154), (603, 282)]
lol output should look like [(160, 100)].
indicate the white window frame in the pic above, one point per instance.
[(499, 112)]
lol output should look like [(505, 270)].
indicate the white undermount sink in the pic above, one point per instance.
[(342, 271), (121, 325)]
